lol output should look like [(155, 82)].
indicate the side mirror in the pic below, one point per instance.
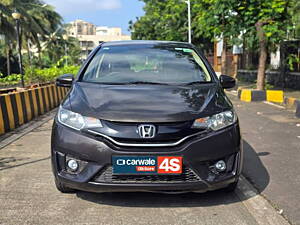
[(227, 81), (65, 80)]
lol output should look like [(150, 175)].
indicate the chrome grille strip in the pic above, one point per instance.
[(144, 145)]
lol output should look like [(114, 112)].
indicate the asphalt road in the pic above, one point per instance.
[(272, 154), (28, 194)]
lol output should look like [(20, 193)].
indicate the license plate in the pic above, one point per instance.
[(136, 165)]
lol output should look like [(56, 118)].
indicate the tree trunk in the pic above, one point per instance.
[(261, 72), (29, 53), (39, 56), (235, 65), (223, 57), (8, 59)]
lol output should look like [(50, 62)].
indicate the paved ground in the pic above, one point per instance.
[(272, 154), (28, 195)]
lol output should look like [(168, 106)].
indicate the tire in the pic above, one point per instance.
[(62, 188), (231, 187)]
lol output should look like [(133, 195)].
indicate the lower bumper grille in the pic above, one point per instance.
[(107, 176)]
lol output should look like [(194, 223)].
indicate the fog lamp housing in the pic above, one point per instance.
[(220, 166), (74, 165)]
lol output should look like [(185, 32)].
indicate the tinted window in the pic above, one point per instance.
[(136, 63)]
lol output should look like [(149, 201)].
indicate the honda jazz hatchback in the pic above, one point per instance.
[(146, 116)]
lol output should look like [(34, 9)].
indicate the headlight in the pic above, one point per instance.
[(216, 122), (77, 121)]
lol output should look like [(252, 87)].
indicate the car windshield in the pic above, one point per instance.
[(146, 64)]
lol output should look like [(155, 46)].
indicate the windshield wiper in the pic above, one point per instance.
[(198, 82), (145, 82)]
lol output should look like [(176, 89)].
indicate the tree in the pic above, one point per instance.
[(8, 33), (294, 10), (56, 48), (262, 24), (219, 19), (163, 20), (269, 21), (37, 22), (46, 20), (167, 20)]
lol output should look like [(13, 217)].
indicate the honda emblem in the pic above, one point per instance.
[(146, 131)]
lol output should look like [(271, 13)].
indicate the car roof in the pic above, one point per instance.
[(143, 42)]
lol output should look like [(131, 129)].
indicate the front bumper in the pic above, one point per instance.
[(198, 155)]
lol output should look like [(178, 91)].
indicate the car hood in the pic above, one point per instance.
[(145, 103)]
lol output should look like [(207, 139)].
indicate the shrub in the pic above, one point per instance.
[(36, 75), (12, 79)]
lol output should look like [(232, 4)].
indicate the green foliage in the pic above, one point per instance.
[(41, 29), (167, 20), (54, 54), (233, 19), (291, 60), (219, 18), (50, 74), (59, 51), (269, 86), (273, 15), (37, 75), (12, 79), (163, 20), (294, 9), (253, 85), (37, 21)]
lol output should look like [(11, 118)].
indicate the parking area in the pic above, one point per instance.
[(28, 194)]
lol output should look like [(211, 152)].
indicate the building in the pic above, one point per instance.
[(80, 27), (109, 31), (91, 36)]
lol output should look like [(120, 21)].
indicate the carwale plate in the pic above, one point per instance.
[(155, 165)]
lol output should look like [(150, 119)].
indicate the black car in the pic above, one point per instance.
[(146, 116)]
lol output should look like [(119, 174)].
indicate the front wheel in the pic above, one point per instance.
[(62, 188), (231, 187)]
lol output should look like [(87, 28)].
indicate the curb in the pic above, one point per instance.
[(297, 108), (290, 102), (293, 103), (19, 132), (259, 207), (250, 95), (18, 108)]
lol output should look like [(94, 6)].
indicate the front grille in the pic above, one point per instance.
[(107, 176), (147, 141)]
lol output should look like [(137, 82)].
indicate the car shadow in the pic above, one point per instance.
[(140, 199), (254, 169), (252, 166)]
